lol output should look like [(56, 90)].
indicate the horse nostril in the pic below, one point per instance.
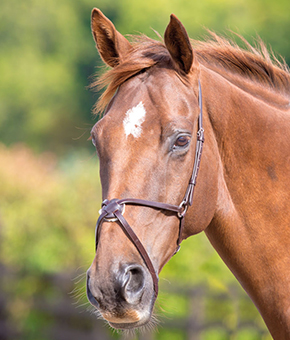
[(90, 296), (134, 283)]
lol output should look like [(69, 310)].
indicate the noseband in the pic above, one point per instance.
[(112, 211)]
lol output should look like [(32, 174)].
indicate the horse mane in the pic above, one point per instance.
[(253, 63), (218, 53)]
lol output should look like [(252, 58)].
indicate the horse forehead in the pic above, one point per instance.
[(133, 120), (141, 106), (131, 113)]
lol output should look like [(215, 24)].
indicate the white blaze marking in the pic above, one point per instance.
[(133, 120)]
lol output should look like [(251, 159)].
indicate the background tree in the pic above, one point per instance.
[(48, 55)]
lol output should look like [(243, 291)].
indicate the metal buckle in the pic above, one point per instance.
[(183, 205), (200, 135)]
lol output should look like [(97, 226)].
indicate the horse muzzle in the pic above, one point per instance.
[(125, 299)]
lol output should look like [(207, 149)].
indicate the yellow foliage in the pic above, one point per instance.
[(46, 221)]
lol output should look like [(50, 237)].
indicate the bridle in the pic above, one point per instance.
[(112, 211)]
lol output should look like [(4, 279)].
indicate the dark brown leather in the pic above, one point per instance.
[(112, 210)]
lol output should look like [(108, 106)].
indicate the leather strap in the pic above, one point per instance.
[(112, 211)]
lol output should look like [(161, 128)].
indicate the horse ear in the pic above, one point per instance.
[(111, 44), (178, 45)]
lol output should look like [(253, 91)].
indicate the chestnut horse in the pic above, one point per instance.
[(149, 160)]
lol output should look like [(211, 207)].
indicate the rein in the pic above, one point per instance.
[(112, 211)]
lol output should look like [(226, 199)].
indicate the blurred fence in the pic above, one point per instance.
[(54, 316), (58, 316)]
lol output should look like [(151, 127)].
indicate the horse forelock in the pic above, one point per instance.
[(145, 54), (254, 63)]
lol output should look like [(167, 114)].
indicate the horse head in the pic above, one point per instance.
[(146, 143)]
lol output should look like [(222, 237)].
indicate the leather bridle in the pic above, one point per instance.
[(112, 211)]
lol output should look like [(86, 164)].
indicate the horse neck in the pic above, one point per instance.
[(250, 229)]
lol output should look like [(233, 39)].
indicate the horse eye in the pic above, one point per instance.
[(182, 141), (92, 139)]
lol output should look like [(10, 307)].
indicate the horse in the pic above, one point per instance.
[(193, 138)]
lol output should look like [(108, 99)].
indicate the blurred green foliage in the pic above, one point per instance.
[(48, 55), (47, 213), (44, 210), (49, 197)]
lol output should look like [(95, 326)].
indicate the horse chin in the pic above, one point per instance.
[(133, 320), (129, 326)]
